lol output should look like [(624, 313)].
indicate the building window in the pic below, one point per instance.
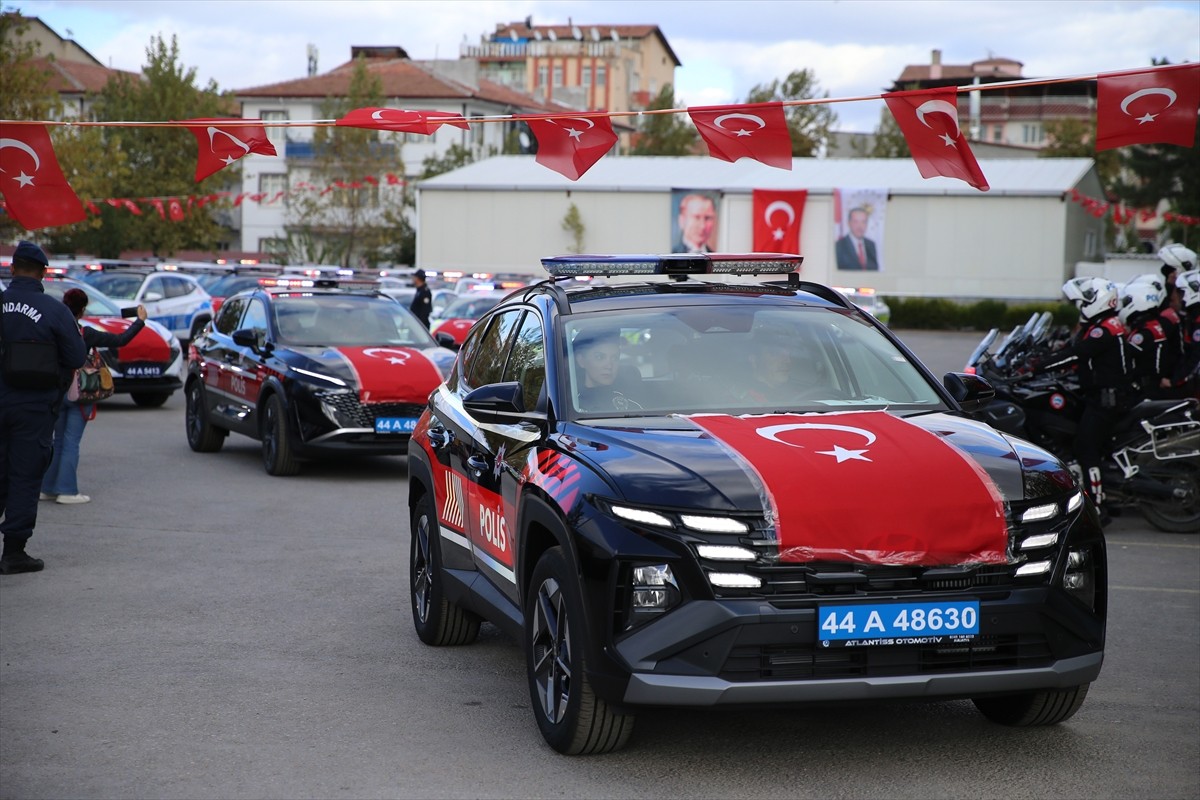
[(558, 75), (271, 184), (1032, 133), (586, 76), (998, 133), (654, 87), (277, 136), (543, 73), (601, 75), (1090, 241)]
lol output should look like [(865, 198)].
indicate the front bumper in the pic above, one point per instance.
[(166, 384)]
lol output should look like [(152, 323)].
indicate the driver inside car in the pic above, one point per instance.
[(781, 372), (601, 383)]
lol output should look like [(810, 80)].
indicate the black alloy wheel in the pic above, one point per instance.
[(278, 458), (202, 436), (438, 622)]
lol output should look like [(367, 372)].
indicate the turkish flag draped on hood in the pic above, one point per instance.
[(777, 218), (867, 487), (571, 145), (401, 120), (929, 121), (34, 188), (1148, 107), (754, 130), (221, 145)]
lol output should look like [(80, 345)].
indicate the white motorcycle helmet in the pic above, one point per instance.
[(1092, 296), (1178, 256), (1137, 297), (1188, 284), (1156, 282)]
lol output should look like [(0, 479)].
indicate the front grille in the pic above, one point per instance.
[(798, 662), (354, 414), (782, 581)]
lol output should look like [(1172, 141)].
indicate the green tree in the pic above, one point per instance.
[(572, 223), (1156, 172), (1076, 138), (152, 162), (24, 93), (809, 125), (665, 134), (456, 156), (357, 221), (886, 142)]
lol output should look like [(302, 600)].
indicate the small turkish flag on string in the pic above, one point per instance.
[(37, 194), (1148, 107), (158, 206), (175, 209), (755, 130), (220, 145), (777, 218), (929, 121), (401, 120), (571, 145)]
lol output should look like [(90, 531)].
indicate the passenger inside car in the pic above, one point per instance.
[(782, 369)]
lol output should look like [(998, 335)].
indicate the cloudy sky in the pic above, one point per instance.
[(854, 47)]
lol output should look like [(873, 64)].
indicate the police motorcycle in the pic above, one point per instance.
[(1154, 465)]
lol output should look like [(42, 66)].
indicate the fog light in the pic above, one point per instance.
[(650, 598), (654, 575), (653, 591), (1075, 580), (1076, 559), (1080, 577)]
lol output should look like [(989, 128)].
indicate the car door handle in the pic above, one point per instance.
[(478, 464), (439, 437)]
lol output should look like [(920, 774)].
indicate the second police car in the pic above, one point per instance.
[(309, 367), (695, 492)]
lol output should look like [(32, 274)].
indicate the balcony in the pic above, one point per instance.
[(307, 151), (516, 51)]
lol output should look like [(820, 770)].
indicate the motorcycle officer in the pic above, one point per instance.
[(1105, 374), (1189, 292), (1139, 302)]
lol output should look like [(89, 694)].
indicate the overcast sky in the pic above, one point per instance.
[(854, 47)]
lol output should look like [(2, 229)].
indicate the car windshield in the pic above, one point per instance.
[(98, 305), (313, 320), (736, 359), (118, 285)]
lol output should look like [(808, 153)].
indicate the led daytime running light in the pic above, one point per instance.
[(642, 516), (1033, 568), (721, 552), (734, 580), (713, 524), (1038, 513), (1040, 540)]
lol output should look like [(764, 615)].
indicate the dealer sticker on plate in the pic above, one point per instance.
[(898, 623), (395, 424)]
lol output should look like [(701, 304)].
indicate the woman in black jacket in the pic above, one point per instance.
[(60, 483)]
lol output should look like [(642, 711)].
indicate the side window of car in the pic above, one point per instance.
[(176, 287), (487, 365), (231, 314), (153, 285), (256, 315), (527, 360)]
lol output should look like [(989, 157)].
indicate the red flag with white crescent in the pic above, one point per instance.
[(401, 120), (147, 345), (1152, 106), (571, 145), (221, 145), (753, 130), (777, 216), (389, 374), (929, 121), (867, 487), (175, 209), (36, 192)]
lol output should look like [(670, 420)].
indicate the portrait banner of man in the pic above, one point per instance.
[(858, 227), (694, 220)]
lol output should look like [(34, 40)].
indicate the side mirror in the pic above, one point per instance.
[(971, 392), (254, 338), (500, 404), (445, 340)]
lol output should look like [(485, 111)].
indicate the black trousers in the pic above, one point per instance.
[(26, 432), (1093, 440)]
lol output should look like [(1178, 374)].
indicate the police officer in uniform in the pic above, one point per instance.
[(1189, 291), (422, 302), (28, 314), (1105, 373)]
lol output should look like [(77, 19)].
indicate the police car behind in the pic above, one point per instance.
[(172, 299), (688, 492), (310, 369)]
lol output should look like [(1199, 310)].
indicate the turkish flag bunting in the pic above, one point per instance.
[(754, 130), (158, 206), (221, 145), (929, 121), (571, 145), (1152, 106), (401, 120), (37, 194), (175, 209), (777, 218), (816, 468)]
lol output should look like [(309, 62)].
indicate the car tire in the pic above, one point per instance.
[(438, 621), (149, 399), (278, 458), (572, 719), (1033, 709), (202, 435)]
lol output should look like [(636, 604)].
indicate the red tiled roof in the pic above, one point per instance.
[(66, 77)]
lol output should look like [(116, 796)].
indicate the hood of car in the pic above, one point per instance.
[(153, 343), (857, 486), (380, 374)]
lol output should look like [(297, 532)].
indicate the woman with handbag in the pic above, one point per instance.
[(60, 483)]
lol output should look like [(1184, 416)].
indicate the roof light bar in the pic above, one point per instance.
[(674, 264), (287, 283)]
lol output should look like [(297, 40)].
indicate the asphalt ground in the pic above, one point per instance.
[(203, 630)]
